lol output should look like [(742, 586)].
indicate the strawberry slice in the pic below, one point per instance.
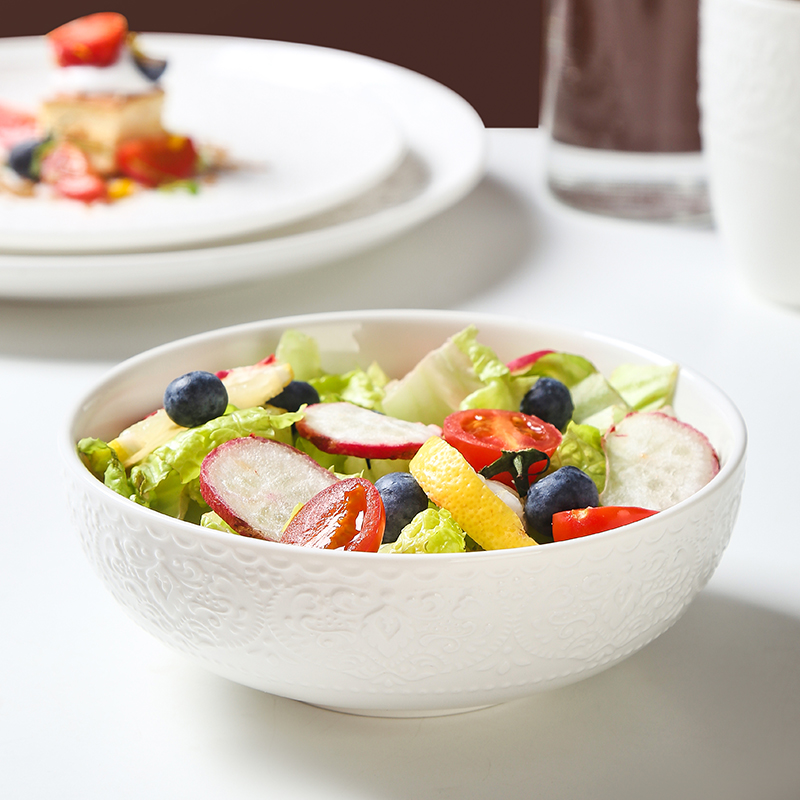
[(66, 168), (16, 126), (86, 188), (348, 429), (158, 159), (255, 484), (94, 40)]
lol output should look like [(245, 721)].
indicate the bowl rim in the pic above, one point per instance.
[(72, 462)]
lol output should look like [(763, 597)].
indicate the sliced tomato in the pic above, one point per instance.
[(585, 521), (481, 436), (16, 127), (159, 159), (94, 40), (86, 188), (348, 515)]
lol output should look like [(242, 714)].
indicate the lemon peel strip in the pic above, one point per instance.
[(451, 483)]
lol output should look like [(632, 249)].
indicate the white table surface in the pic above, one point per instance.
[(93, 707)]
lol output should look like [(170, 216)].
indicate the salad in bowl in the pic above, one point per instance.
[(404, 512)]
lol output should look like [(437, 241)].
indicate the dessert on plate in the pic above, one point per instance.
[(101, 96), (98, 133)]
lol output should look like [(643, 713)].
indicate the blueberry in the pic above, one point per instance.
[(151, 68), (562, 490), (403, 499), (22, 159), (551, 401), (195, 398), (294, 395)]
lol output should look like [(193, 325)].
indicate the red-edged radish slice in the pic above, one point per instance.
[(255, 484), (348, 429), (654, 461)]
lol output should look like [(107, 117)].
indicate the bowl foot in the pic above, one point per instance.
[(402, 713)]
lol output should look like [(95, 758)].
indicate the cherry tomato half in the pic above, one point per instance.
[(480, 435), (158, 159), (348, 515), (94, 40), (585, 521)]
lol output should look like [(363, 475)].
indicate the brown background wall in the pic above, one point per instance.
[(486, 50)]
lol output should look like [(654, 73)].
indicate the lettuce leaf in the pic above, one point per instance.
[(462, 373), (431, 531), (361, 387), (214, 521), (102, 461), (582, 447), (597, 403), (302, 352), (645, 387)]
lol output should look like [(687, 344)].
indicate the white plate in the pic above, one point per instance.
[(446, 153), (302, 151)]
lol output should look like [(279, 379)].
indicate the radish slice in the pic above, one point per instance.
[(522, 363), (348, 429), (655, 461), (255, 484)]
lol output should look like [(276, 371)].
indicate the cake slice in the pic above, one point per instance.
[(98, 136), (99, 123)]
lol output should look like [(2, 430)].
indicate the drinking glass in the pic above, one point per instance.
[(620, 107)]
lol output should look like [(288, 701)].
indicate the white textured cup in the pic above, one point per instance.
[(750, 123)]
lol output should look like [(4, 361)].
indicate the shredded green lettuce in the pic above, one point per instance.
[(431, 531), (499, 389), (361, 387), (462, 373), (103, 462), (214, 521), (582, 447), (302, 352), (597, 402), (645, 387)]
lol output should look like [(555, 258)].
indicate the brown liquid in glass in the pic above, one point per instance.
[(628, 76)]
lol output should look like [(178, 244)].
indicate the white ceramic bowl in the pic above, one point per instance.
[(397, 635)]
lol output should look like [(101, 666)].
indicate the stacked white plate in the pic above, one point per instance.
[(335, 153)]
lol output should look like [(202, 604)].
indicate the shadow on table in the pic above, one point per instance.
[(709, 710), (460, 254)]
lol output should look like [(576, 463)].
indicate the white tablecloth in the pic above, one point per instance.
[(93, 707)]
